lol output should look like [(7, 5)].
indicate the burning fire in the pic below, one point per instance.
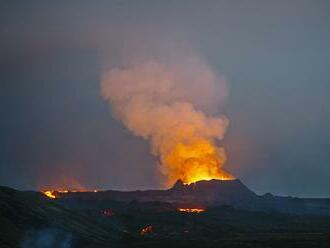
[(191, 210)]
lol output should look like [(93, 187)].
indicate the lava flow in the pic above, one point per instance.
[(191, 210), (53, 193), (50, 194)]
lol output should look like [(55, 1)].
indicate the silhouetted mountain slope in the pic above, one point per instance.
[(29, 216), (211, 193), (29, 219)]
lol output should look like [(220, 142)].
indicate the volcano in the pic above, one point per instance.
[(202, 214), (205, 193), (213, 191)]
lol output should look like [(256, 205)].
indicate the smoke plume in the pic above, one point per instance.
[(171, 105)]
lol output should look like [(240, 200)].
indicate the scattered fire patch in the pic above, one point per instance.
[(146, 230), (108, 212), (191, 210)]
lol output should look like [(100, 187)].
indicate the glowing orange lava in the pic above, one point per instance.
[(53, 193), (198, 160), (50, 194), (191, 210)]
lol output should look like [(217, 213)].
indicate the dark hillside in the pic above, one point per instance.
[(23, 215)]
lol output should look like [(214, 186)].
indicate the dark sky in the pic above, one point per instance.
[(56, 127)]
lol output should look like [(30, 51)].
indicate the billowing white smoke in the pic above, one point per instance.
[(166, 103)]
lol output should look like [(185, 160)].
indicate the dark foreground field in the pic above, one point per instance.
[(29, 219)]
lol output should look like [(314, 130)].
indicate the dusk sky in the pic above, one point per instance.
[(55, 126)]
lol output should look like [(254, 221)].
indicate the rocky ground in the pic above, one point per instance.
[(30, 219)]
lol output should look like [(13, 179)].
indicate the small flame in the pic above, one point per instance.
[(191, 210), (146, 230)]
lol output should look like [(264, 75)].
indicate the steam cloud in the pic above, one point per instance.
[(47, 238), (169, 104)]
